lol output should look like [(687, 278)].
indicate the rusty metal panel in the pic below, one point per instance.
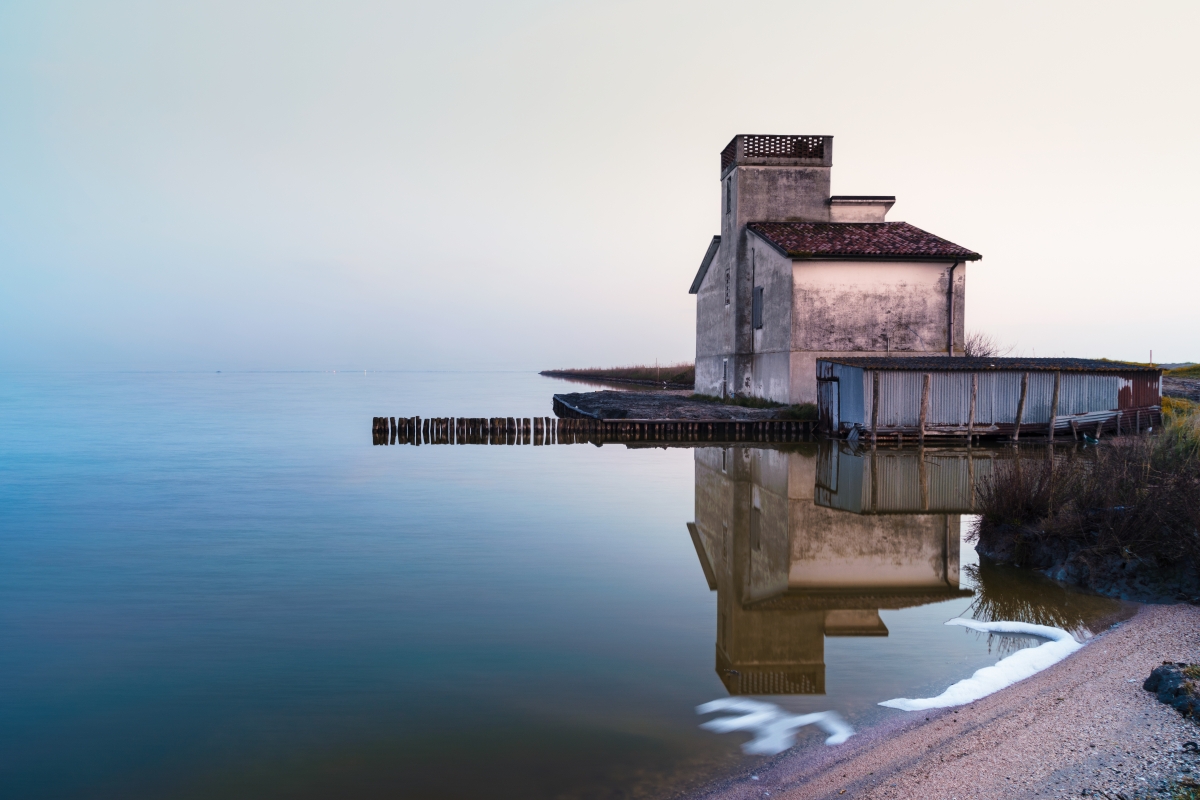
[(1139, 390)]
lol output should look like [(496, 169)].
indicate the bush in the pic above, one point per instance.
[(1122, 518)]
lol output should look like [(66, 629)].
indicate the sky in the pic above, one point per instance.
[(530, 184)]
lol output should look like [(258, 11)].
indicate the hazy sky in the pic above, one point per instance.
[(303, 185)]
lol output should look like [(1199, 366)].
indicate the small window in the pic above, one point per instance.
[(758, 307), (727, 286), (728, 195)]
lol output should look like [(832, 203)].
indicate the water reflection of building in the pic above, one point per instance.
[(795, 554)]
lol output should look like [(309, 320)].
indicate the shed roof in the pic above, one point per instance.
[(964, 364), (890, 241)]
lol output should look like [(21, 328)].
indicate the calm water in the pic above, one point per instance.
[(212, 584)]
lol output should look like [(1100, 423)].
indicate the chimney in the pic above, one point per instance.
[(860, 208)]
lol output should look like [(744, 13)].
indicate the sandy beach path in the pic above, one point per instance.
[(1084, 727)]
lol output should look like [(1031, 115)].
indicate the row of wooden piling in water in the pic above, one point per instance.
[(550, 430)]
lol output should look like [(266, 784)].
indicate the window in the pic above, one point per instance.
[(758, 307), (728, 195), (727, 286)]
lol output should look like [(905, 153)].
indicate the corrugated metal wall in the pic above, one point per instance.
[(997, 397)]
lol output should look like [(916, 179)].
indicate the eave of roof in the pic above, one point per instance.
[(705, 263), (858, 241)]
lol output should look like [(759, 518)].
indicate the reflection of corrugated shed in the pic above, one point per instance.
[(888, 481), (986, 397)]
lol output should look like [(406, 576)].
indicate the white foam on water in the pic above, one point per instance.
[(774, 728), (1017, 667)]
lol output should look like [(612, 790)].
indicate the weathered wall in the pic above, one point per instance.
[(714, 323), (860, 307), (753, 194), (769, 373)]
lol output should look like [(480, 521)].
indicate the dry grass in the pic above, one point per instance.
[(1126, 512), (744, 402), (683, 374)]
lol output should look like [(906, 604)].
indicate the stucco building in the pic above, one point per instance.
[(798, 274)]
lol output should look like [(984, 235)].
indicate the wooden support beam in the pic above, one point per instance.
[(1021, 406), (924, 417)]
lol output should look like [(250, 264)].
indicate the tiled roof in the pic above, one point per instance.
[(964, 364), (855, 240)]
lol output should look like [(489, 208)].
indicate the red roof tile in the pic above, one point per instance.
[(854, 240)]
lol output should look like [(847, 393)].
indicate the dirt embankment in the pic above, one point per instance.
[(1187, 388), (1082, 728)]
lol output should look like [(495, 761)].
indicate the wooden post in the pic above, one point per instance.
[(971, 411), (874, 406), (1054, 404), (1118, 422), (925, 404), (1074, 431), (1020, 407)]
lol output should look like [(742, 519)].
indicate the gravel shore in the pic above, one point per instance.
[(1082, 728)]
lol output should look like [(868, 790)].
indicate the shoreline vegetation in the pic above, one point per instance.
[(800, 411), (667, 376), (1120, 519)]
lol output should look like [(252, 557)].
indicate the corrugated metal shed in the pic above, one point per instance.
[(926, 396)]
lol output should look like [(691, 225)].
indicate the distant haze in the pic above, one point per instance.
[(528, 185)]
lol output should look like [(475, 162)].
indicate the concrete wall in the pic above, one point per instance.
[(752, 194), (844, 308)]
